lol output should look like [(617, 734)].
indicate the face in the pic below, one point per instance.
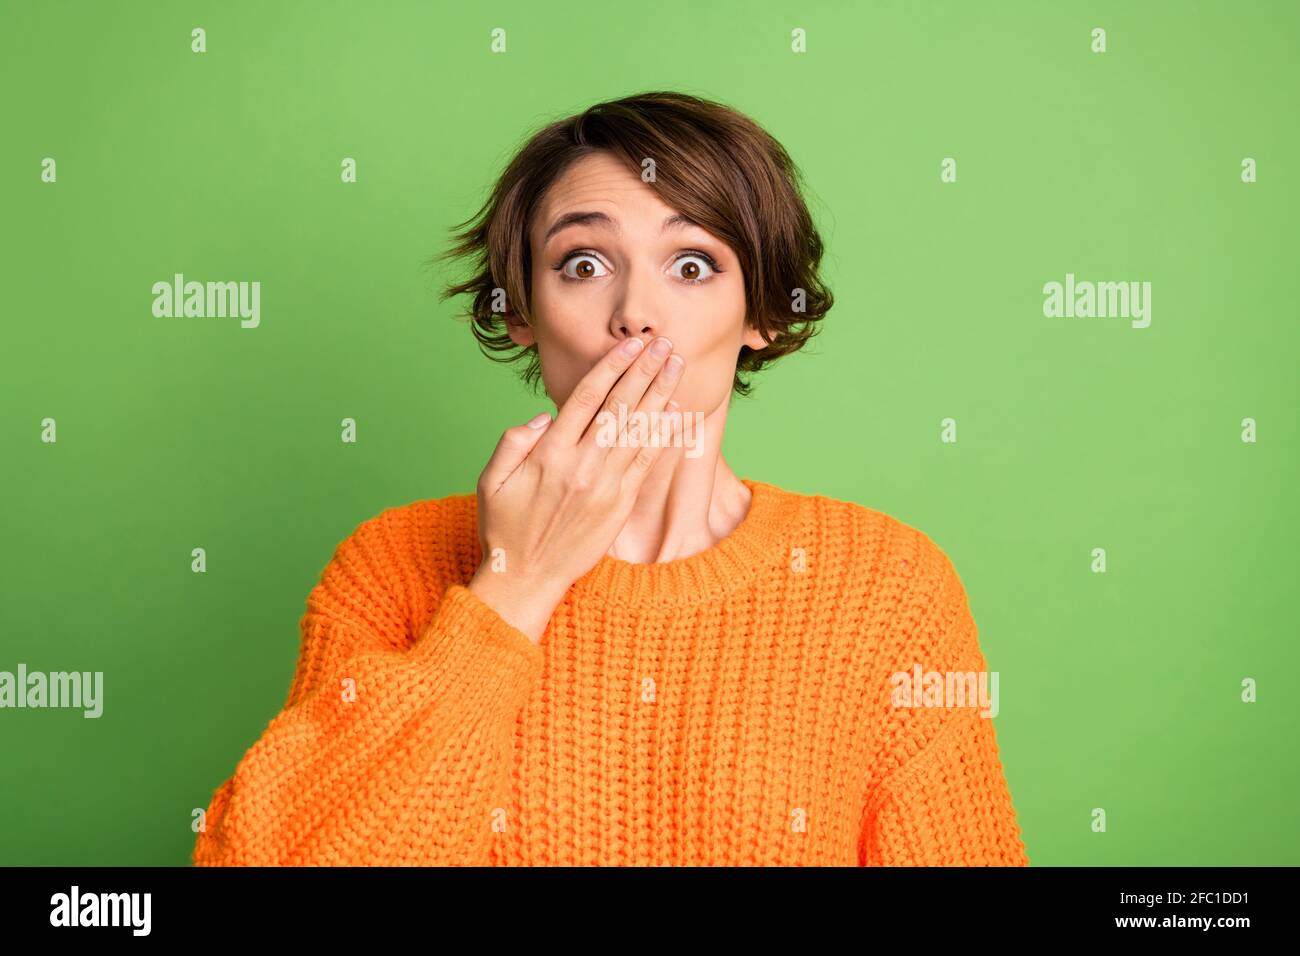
[(629, 269)]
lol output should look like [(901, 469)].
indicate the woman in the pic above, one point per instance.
[(616, 651)]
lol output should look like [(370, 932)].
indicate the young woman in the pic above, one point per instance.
[(617, 651)]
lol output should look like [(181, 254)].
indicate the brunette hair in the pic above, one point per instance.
[(711, 163)]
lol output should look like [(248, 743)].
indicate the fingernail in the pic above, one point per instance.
[(632, 346), (540, 420), (660, 348), (673, 367), (672, 405)]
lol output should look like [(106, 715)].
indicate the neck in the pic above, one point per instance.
[(685, 504)]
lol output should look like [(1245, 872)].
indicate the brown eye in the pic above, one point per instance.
[(584, 267), (692, 268)]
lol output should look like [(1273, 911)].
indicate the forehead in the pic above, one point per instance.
[(598, 182)]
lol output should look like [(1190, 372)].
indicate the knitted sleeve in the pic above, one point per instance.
[(947, 802), (384, 754)]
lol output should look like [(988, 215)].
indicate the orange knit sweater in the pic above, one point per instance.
[(734, 707)]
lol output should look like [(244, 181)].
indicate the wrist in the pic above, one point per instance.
[(526, 605), (532, 586)]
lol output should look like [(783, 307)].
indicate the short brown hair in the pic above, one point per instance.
[(711, 163)]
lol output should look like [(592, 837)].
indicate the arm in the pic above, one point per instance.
[(946, 802), (410, 771)]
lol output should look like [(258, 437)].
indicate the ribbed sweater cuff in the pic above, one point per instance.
[(468, 632)]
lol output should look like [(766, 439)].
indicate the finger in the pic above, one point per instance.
[(627, 392), (641, 459), (515, 445), (655, 427), (588, 395)]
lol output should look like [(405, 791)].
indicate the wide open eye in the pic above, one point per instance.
[(587, 267), (696, 267)]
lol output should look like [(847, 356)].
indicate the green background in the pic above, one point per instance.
[(1119, 690)]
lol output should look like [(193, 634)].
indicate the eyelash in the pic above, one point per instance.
[(687, 254)]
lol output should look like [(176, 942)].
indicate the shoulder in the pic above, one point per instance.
[(899, 586), (397, 530), (872, 541), (896, 583)]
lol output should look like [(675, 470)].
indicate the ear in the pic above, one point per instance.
[(521, 333), (754, 338)]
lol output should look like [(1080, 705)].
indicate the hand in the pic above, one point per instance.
[(553, 500)]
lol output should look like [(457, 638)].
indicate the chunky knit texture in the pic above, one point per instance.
[(730, 708)]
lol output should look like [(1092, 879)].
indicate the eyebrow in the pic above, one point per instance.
[(676, 221)]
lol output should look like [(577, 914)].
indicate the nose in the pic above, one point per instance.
[(645, 332), (634, 314)]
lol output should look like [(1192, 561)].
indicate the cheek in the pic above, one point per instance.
[(715, 334), (726, 319), (714, 351), (563, 364), (564, 321), (708, 379), (566, 348)]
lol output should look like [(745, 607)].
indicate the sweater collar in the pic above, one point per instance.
[(752, 546)]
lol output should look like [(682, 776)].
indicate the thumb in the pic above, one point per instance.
[(514, 446)]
